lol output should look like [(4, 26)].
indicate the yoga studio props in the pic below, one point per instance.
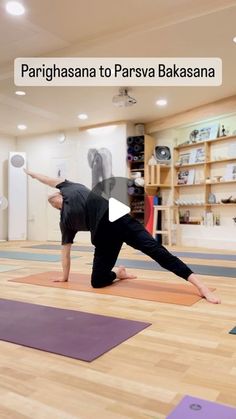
[(194, 408), (3, 203), (70, 333), (182, 294)]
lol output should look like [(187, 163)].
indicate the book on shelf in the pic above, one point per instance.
[(186, 177), (230, 172), (197, 155)]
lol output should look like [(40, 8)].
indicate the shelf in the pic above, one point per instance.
[(190, 205), (221, 183), (192, 184), (212, 141), (221, 161), (206, 183), (221, 205), (180, 166), (161, 185), (204, 205), (137, 170)]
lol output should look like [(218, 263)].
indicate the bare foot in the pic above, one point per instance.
[(209, 296), (122, 274)]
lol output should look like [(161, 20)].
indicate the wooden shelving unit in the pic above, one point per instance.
[(207, 167)]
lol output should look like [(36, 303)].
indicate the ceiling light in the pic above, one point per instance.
[(161, 102), (20, 93), (15, 8), (83, 116), (22, 127), (234, 39)]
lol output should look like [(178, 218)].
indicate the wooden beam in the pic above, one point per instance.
[(212, 110), (103, 124)]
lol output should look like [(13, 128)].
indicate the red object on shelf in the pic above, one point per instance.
[(149, 213)]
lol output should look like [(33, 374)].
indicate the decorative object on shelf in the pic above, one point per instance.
[(223, 131), (234, 219), (217, 179), (208, 133), (211, 198), (162, 154), (180, 202), (229, 200), (152, 161), (193, 136)]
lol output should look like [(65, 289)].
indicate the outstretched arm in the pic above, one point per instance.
[(65, 259), (44, 179)]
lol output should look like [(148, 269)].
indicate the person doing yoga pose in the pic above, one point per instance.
[(83, 210)]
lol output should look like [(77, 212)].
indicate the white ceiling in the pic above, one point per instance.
[(136, 28)]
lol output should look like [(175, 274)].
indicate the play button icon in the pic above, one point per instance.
[(117, 209)]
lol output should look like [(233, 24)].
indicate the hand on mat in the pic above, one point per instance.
[(122, 274), (60, 280), (209, 296)]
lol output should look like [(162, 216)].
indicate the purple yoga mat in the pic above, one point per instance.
[(194, 408), (71, 333)]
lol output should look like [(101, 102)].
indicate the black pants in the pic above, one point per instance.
[(109, 239)]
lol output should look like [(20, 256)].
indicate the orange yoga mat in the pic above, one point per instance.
[(183, 294)]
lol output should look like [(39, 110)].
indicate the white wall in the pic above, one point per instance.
[(7, 144), (43, 154), (217, 237)]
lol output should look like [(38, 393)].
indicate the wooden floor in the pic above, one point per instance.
[(187, 350)]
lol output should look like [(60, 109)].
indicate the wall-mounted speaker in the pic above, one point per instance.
[(17, 196), (162, 154)]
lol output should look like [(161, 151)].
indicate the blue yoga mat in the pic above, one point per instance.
[(233, 331), (7, 268), (206, 256), (198, 269), (58, 247), (37, 257)]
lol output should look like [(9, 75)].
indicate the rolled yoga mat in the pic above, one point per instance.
[(129, 157), (130, 141), (198, 269), (138, 148), (139, 139), (182, 294), (70, 333), (195, 408)]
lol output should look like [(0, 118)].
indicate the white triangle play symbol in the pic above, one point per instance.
[(117, 210)]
